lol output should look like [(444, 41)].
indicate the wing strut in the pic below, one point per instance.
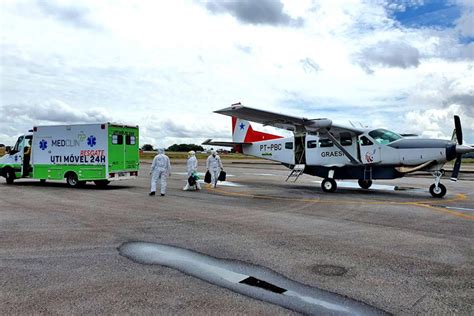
[(338, 145)]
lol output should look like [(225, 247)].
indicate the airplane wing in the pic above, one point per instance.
[(288, 122)]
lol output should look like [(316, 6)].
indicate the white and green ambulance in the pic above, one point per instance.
[(78, 153)]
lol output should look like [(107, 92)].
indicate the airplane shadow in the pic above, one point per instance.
[(348, 191)]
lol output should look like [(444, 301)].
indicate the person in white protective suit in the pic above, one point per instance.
[(214, 166), (160, 169), (191, 167)]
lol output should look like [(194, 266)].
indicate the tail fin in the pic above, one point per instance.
[(242, 132)]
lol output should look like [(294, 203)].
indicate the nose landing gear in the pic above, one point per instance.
[(437, 189)]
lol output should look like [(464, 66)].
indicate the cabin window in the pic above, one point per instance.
[(325, 143), (364, 141), (383, 137), (117, 139), (289, 145), (346, 139), (311, 144), (130, 140)]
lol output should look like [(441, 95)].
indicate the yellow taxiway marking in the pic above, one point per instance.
[(422, 203)]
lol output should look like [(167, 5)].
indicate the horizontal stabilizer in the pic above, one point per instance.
[(222, 144)]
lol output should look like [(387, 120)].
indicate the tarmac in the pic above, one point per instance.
[(393, 248)]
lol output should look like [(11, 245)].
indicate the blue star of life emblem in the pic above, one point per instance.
[(91, 141), (242, 126), (43, 144)]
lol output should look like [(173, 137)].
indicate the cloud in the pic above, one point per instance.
[(268, 12), (172, 129), (466, 101), (310, 65), (390, 54), (438, 123), (70, 14), (465, 24), (55, 111)]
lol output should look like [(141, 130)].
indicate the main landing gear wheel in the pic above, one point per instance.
[(438, 192), (365, 184), (329, 185)]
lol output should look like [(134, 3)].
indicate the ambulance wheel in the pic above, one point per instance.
[(438, 192), (9, 175), (365, 184), (329, 185), (101, 183), (71, 180), (42, 181)]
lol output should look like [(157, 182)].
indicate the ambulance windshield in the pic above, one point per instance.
[(18, 144), (383, 136)]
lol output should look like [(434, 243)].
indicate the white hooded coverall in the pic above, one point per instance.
[(160, 169), (191, 167), (214, 165)]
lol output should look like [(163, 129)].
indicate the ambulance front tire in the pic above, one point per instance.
[(438, 192), (72, 181), (101, 183), (365, 184), (329, 185), (9, 175)]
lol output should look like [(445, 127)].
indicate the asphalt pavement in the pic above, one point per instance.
[(392, 247)]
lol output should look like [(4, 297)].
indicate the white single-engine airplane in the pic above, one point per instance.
[(321, 148)]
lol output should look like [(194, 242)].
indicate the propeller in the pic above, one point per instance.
[(457, 163), (458, 129)]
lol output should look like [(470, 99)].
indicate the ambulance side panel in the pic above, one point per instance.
[(81, 149)]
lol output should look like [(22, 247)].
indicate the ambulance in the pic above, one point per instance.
[(100, 153)]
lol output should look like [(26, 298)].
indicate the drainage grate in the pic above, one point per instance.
[(263, 285)]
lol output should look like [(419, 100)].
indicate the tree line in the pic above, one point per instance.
[(176, 147)]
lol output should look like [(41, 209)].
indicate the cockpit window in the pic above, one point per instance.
[(382, 136)]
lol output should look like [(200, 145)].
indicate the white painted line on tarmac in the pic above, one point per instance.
[(261, 174), (225, 183), (201, 174), (460, 208)]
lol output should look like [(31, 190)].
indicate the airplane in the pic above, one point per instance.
[(330, 151)]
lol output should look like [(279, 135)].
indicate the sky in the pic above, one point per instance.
[(404, 65)]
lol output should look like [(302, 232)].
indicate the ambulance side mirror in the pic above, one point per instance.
[(8, 149)]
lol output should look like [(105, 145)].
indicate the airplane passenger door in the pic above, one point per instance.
[(370, 152), (300, 149)]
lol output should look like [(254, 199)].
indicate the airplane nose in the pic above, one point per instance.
[(463, 149)]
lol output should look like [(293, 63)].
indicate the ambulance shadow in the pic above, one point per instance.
[(87, 186)]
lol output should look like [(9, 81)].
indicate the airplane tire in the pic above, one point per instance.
[(365, 184), (9, 175), (438, 193), (329, 185)]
